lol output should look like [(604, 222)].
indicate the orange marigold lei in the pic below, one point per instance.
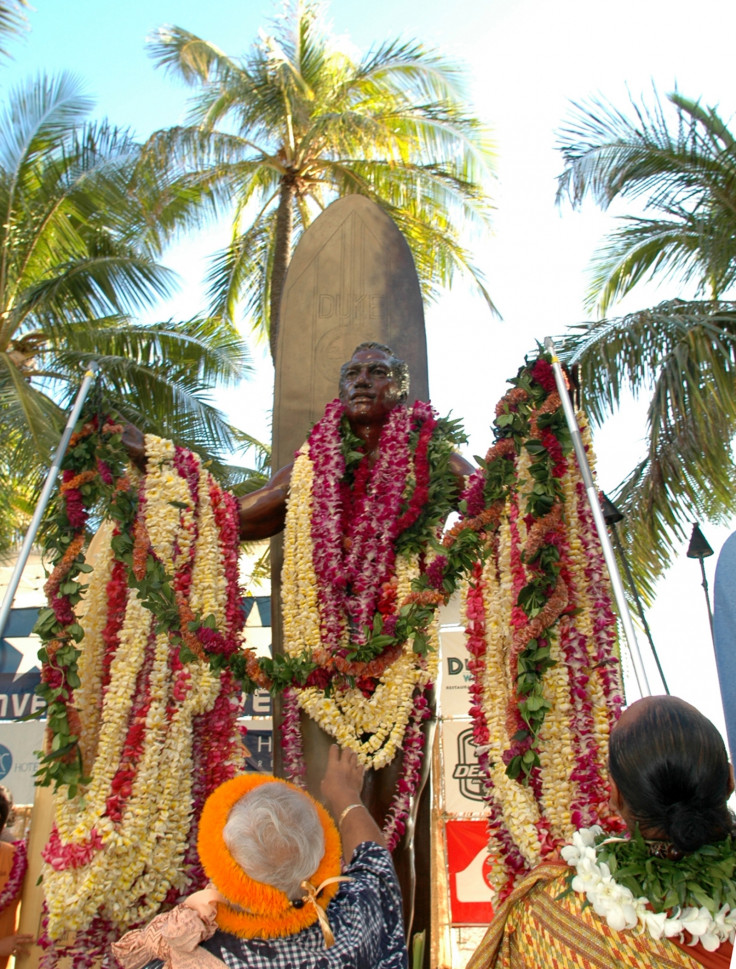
[(259, 910)]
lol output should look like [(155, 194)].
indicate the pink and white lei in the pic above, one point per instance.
[(341, 542), (353, 554)]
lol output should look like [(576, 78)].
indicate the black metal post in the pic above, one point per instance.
[(700, 549)]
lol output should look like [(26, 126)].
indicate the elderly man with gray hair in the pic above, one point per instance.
[(278, 896)]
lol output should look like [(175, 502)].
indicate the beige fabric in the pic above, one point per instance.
[(173, 937)]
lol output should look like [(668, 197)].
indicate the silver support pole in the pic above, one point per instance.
[(595, 507), (43, 501)]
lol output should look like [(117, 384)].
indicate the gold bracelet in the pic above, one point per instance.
[(347, 811)]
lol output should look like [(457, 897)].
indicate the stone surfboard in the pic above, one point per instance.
[(351, 279)]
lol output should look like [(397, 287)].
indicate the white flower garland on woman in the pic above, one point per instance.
[(622, 910)]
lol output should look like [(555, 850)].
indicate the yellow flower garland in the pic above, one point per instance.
[(535, 826), (584, 621), (299, 583), (518, 805), (141, 857), (93, 609), (555, 752)]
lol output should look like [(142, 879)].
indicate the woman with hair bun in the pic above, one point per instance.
[(663, 895), (670, 774)]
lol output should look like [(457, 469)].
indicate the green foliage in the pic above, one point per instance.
[(683, 354), (524, 422), (703, 878), (75, 262), (679, 160), (295, 123)]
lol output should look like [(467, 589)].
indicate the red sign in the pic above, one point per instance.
[(469, 866)]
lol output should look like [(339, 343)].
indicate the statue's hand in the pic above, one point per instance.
[(135, 444)]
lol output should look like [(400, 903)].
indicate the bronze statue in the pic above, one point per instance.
[(373, 384)]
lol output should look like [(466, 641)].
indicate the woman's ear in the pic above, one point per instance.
[(616, 802), (730, 780)]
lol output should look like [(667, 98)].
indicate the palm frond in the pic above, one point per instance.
[(683, 356), (679, 158), (77, 258), (295, 110), (12, 21), (185, 55)]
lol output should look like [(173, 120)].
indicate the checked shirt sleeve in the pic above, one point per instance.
[(370, 907)]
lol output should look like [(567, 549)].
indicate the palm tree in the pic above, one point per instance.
[(682, 167), (683, 355), (295, 123), (75, 262), (12, 19)]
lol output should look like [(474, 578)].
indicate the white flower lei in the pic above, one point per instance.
[(622, 910)]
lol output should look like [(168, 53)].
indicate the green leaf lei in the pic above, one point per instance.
[(701, 878)]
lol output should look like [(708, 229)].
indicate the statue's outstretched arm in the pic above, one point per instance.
[(461, 469), (263, 512)]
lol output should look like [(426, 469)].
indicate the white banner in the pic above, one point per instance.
[(462, 789), (18, 760), (454, 677)]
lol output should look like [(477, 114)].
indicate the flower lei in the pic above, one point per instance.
[(693, 898), (18, 866), (354, 552), (541, 632), (357, 593), (139, 737)]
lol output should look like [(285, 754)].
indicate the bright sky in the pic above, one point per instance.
[(525, 60)]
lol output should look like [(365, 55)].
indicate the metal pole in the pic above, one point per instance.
[(43, 501), (639, 606), (704, 583), (595, 507)]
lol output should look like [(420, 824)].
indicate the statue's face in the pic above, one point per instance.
[(368, 387)]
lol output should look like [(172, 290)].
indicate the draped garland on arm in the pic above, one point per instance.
[(541, 632), (96, 476), (138, 735), (104, 676)]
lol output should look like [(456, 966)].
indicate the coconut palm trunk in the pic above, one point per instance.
[(282, 255)]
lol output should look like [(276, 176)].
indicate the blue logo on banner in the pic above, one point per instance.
[(6, 761)]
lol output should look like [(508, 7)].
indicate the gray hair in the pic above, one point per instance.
[(275, 835)]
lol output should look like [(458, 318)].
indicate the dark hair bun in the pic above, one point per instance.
[(670, 765)]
